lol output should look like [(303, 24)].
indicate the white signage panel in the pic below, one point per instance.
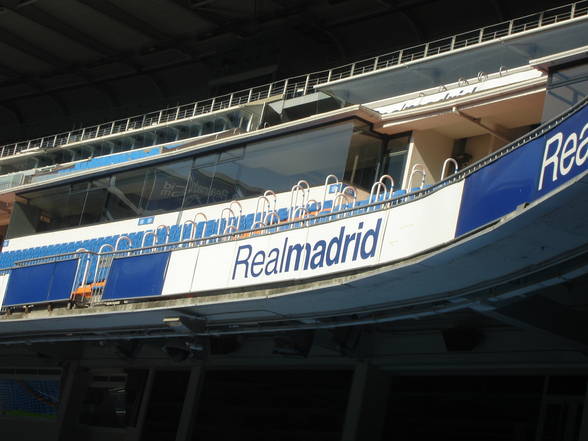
[(324, 248), (266, 259), (415, 227), (180, 271), (3, 285)]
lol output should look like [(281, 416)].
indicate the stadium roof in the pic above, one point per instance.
[(71, 63)]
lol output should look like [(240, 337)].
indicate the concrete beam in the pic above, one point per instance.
[(545, 315)]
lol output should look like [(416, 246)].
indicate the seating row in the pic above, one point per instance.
[(175, 233)]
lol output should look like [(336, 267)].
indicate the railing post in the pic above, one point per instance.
[(269, 90), (177, 113), (83, 133), (330, 74), (306, 84), (481, 35), (352, 70), (127, 125), (573, 10), (231, 100), (111, 128), (452, 43), (160, 115), (286, 83), (400, 54), (376, 60), (212, 104), (249, 95)]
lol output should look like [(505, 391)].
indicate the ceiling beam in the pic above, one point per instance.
[(42, 18), (31, 50), (547, 316), (125, 18), (8, 71), (193, 8), (15, 111)]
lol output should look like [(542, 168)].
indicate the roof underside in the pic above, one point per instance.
[(77, 62)]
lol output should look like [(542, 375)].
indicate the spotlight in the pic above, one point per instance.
[(177, 352)]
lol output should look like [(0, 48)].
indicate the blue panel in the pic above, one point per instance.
[(136, 276), (28, 285), (40, 283), (63, 277), (525, 174)]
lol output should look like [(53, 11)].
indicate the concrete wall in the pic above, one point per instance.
[(429, 148)]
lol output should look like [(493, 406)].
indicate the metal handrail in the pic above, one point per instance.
[(230, 215), (239, 213), (200, 214), (261, 210), (192, 230), (294, 192), (417, 168), (391, 180), (305, 84), (120, 239), (375, 191), (446, 166), (327, 185), (167, 233), (273, 195), (271, 215)]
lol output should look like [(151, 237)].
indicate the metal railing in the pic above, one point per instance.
[(305, 84)]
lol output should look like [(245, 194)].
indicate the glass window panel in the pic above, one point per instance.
[(126, 194), (278, 164), (208, 159), (232, 154), (199, 186), (224, 184), (57, 207), (166, 187), (94, 206), (395, 158), (363, 161)]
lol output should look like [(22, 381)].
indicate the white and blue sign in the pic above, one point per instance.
[(525, 174)]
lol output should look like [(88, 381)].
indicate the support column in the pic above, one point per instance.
[(190, 406), (144, 406), (70, 402), (584, 423), (366, 407)]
